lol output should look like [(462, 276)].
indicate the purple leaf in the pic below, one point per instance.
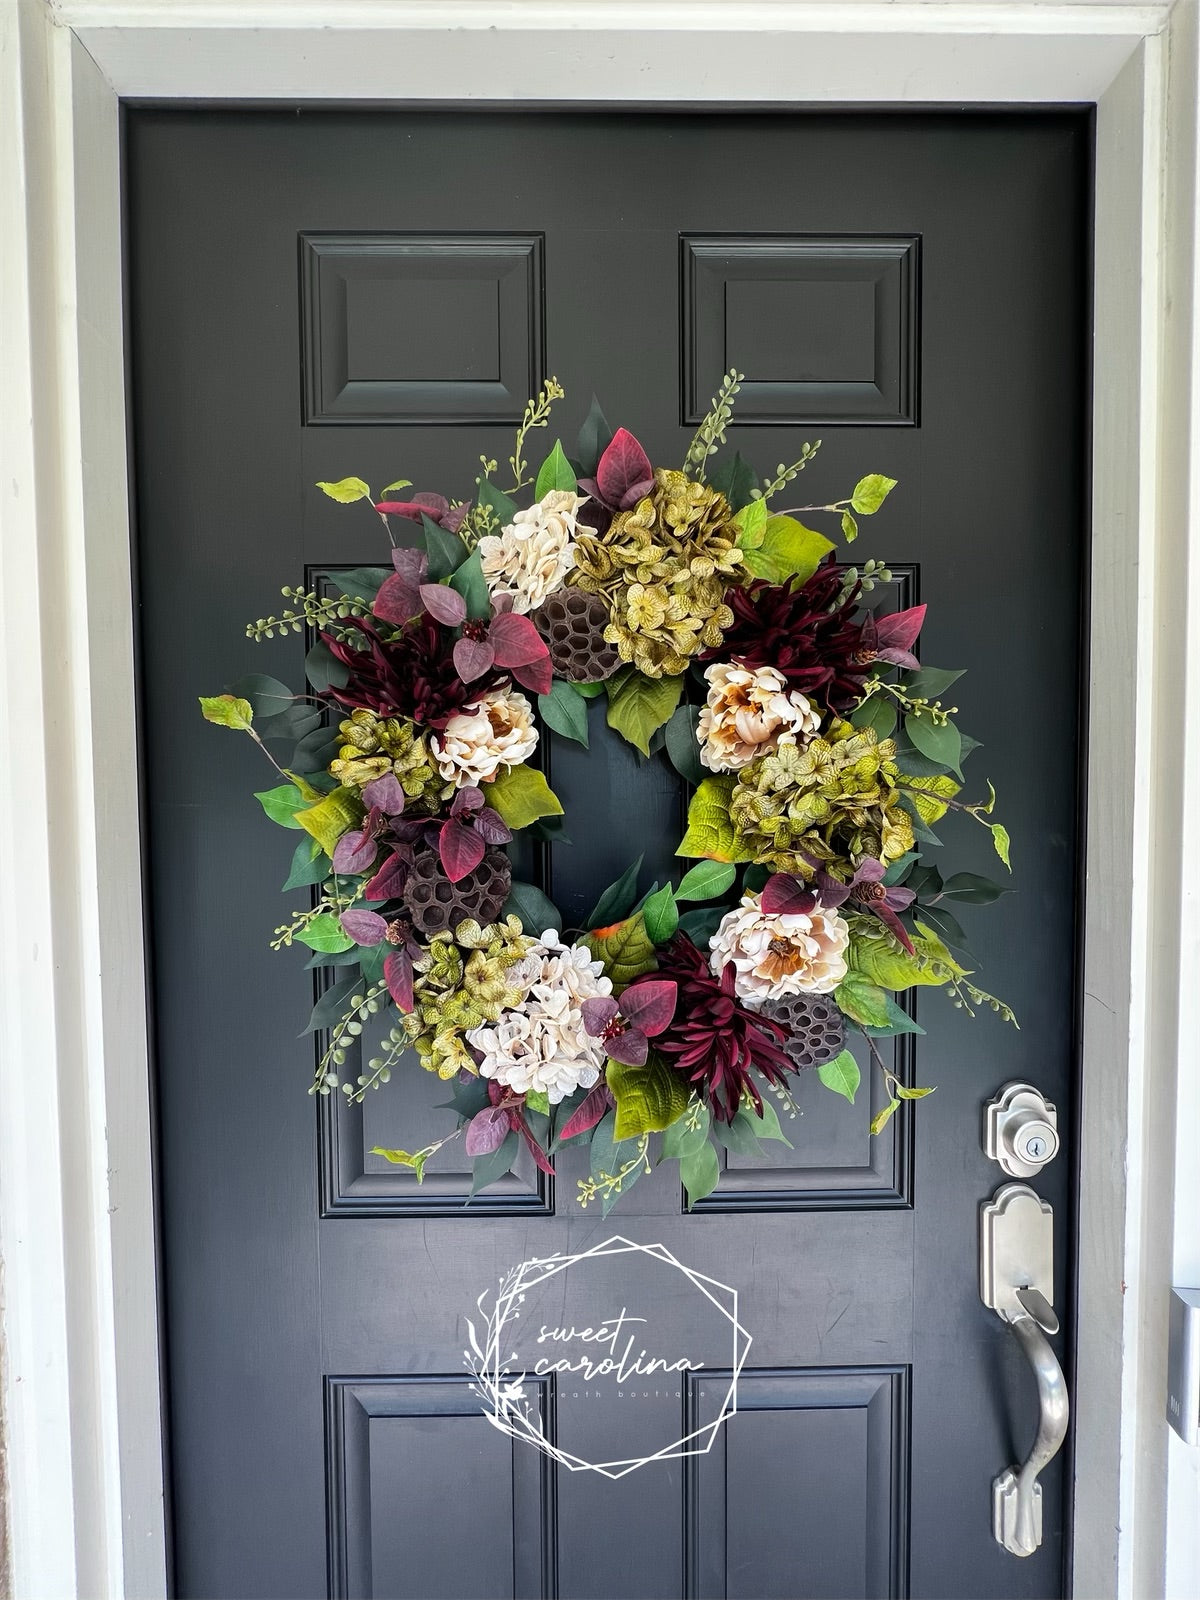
[(453, 517), (446, 605), (535, 1149), (898, 658), (398, 600), (398, 975), (831, 891), (385, 794), (786, 896), (630, 1047), (899, 631), (411, 564), (598, 1012), (388, 883), (486, 1131), (588, 1113), (900, 899), (890, 920), (869, 870), (472, 658), (516, 641), (429, 505), (650, 1005), (460, 848), (354, 852), (491, 827), (466, 801), (536, 676), (623, 469), (364, 927)]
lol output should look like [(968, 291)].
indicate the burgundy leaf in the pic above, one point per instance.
[(447, 605), (898, 658), (598, 1012), (630, 1047), (430, 505), (472, 658), (869, 870), (388, 883), (515, 640), (354, 852), (502, 603), (831, 891), (411, 564), (460, 848), (899, 631), (453, 517), (364, 927), (385, 794), (491, 827), (536, 676), (588, 1113), (486, 1131), (890, 920), (398, 975), (398, 600), (900, 899), (622, 468), (786, 896), (535, 1149), (466, 801), (650, 1005)]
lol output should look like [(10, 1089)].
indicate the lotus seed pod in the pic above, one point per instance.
[(572, 623), (438, 906), (816, 1029)]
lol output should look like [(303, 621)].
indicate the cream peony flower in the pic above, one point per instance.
[(803, 953), (492, 732), (750, 711), (542, 1044), (533, 554)]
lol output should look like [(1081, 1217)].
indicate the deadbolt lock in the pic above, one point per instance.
[(1021, 1130)]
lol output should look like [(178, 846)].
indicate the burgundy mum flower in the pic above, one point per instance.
[(411, 676), (713, 1039)]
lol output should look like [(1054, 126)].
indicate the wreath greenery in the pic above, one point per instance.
[(720, 631)]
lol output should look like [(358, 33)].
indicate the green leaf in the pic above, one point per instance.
[(322, 668), (737, 1136), (661, 915), (736, 479), (937, 740), (625, 949), (683, 746), (927, 683), (638, 705), (898, 871), (870, 493), (710, 833), (333, 1004), (400, 483), (751, 523), (841, 1075), (589, 691), (898, 1021), (564, 711), (699, 1172), (267, 696), (862, 1001), (281, 804), (403, 1158), (1001, 842), (788, 550), (445, 550), (370, 961), (555, 473), (487, 1169), (359, 583), (927, 796), (227, 711), (521, 795), (849, 528), (649, 1098), (766, 1126), (606, 1156), (536, 911), (882, 1117), (504, 508), (880, 959), (706, 880), (538, 1100), (879, 712), (346, 490), (309, 865), (680, 1140), (702, 924), (912, 1094), (331, 817), (325, 933), (470, 582), (617, 900), (594, 439)]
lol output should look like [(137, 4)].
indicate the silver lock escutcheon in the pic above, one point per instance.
[(1021, 1130)]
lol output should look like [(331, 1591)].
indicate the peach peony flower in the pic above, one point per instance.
[(750, 711), (772, 956), (489, 733), (531, 557)]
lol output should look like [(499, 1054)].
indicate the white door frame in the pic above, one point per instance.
[(80, 1383)]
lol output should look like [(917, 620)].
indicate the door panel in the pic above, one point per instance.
[(319, 293)]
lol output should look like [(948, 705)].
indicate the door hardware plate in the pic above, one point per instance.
[(1016, 1248), (1020, 1130)]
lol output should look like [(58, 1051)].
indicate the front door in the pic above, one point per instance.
[(911, 290)]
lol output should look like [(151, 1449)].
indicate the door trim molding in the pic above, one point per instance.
[(80, 1385)]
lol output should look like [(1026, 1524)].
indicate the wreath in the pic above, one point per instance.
[(721, 632)]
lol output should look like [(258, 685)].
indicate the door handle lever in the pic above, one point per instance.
[(1016, 1259)]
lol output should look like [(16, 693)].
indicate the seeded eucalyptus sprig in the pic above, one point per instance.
[(784, 474), (537, 415), (711, 432), (315, 611)]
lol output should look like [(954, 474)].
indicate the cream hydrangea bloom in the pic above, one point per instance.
[(750, 711), (542, 1043), (489, 733), (773, 956), (532, 555)]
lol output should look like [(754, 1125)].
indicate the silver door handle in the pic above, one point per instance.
[(1016, 1259)]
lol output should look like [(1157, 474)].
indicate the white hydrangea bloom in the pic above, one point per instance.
[(542, 1044), (531, 557), (750, 711), (801, 953), (494, 731)]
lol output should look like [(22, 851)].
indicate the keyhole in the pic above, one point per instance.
[(1036, 1148)]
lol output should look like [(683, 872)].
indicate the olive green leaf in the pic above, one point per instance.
[(882, 1117), (788, 550), (841, 1075), (705, 881), (626, 949), (710, 833), (535, 910), (226, 711), (912, 1094), (564, 711), (849, 528), (879, 959), (649, 1098), (928, 795), (325, 933), (403, 1158), (638, 706), (870, 493), (521, 795), (538, 1100), (398, 483), (346, 490), (751, 523), (862, 1001), (1001, 842), (555, 473), (331, 817)]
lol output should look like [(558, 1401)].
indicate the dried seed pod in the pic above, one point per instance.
[(572, 623), (816, 1029), (438, 906)]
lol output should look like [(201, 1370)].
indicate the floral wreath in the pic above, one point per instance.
[(719, 631)]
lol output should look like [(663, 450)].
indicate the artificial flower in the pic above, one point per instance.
[(748, 712), (532, 555), (866, 891), (496, 730), (773, 955), (410, 675), (625, 1027)]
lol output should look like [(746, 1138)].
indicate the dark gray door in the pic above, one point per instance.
[(911, 289)]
